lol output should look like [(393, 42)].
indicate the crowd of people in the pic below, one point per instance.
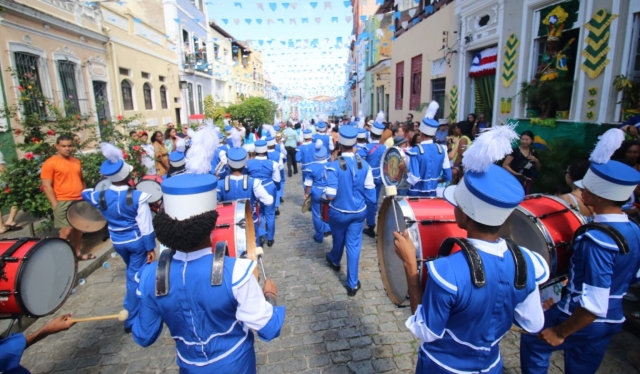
[(341, 174)]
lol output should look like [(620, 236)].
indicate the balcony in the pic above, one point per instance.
[(197, 62)]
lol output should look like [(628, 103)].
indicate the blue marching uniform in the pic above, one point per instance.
[(375, 151), (427, 161), (361, 150), (598, 279), (220, 155), (267, 172), (327, 142), (210, 337), (11, 350), (451, 300), (316, 178), (131, 232), (351, 190), (234, 189), (276, 156), (304, 155)]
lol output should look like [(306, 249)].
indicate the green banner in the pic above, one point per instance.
[(585, 134)]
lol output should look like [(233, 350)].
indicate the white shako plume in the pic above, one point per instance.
[(203, 146), (111, 152), (490, 146), (609, 142)]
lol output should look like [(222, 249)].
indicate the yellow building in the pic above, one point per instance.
[(143, 62), (60, 48), (248, 75)]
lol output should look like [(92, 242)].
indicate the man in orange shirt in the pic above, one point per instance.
[(63, 184)]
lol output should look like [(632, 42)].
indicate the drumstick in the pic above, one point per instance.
[(519, 331), (259, 252), (395, 215), (122, 316)]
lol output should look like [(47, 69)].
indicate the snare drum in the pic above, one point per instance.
[(37, 277), (151, 185), (84, 217), (544, 224), (105, 183), (235, 226), (324, 210), (429, 221)]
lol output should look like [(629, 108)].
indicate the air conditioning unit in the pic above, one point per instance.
[(189, 70)]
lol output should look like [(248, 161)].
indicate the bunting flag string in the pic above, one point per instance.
[(293, 21)]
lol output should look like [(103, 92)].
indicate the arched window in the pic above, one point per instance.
[(146, 90), (163, 97), (127, 95)]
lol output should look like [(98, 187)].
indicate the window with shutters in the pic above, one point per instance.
[(127, 95), (148, 102), (163, 97), (438, 92), (200, 111), (192, 108), (399, 84), (416, 82), (67, 73)]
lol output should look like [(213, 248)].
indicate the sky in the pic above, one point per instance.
[(304, 44)]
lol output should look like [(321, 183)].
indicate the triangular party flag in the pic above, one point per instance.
[(318, 19), (396, 15), (273, 6), (283, 42), (379, 17), (415, 21), (294, 5), (281, 20), (238, 5), (292, 21), (347, 18), (334, 19), (363, 18), (196, 20), (428, 9), (405, 24), (177, 20), (260, 6), (285, 5), (392, 28), (248, 21), (259, 21), (327, 5), (379, 33), (412, 12), (270, 41), (269, 21), (236, 21), (313, 5), (347, 4)]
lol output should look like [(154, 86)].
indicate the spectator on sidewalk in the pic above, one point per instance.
[(10, 224), (170, 139), (63, 184), (161, 154), (290, 137)]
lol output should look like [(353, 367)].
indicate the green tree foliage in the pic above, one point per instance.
[(214, 111), (253, 111)]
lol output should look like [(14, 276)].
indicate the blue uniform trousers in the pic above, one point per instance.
[(583, 351), (135, 257), (319, 225), (346, 229), (372, 208), (268, 212)]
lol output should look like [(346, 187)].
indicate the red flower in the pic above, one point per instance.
[(28, 156), (119, 118), (77, 117), (20, 88), (18, 132), (34, 139), (51, 132), (41, 188), (7, 190), (136, 147), (125, 155)]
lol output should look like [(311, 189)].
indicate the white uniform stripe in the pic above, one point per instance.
[(205, 363), (432, 271)]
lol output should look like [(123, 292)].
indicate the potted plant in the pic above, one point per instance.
[(561, 94), (630, 95)]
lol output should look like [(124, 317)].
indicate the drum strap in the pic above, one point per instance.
[(129, 197), (473, 258), (520, 262), (245, 182), (162, 272), (227, 183), (103, 201), (614, 234), (343, 164), (217, 268)]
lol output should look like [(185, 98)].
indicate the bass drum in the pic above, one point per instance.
[(84, 217), (429, 221), (37, 276), (235, 226), (151, 185), (545, 224), (390, 170)]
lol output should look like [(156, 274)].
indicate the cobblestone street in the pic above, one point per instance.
[(325, 331)]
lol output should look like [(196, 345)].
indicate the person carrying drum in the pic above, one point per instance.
[(208, 301), (305, 154), (602, 267), (277, 157), (350, 188), (239, 185), (176, 159), (315, 184), (472, 297), (129, 221), (428, 162), (219, 161), (374, 153), (322, 127), (267, 171)]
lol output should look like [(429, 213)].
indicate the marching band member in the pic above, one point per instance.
[(584, 321), (268, 173), (129, 221), (276, 156), (305, 154), (428, 160), (239, 185), (349, 188), (315, 183), (374, 153), (361, 146), (210, 337), (176, 159), (321, 134), (459, 318), (219, 161)]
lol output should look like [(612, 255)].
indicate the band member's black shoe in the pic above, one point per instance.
[(370, 231), (316, 240), (127, 330), (290, 175), (270, 243), (281, 200), (328, 233), (331, 264), (262, 240), (352, 291), (277, 211)]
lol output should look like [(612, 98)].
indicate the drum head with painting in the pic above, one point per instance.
[(394, 279), (390, 170)]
